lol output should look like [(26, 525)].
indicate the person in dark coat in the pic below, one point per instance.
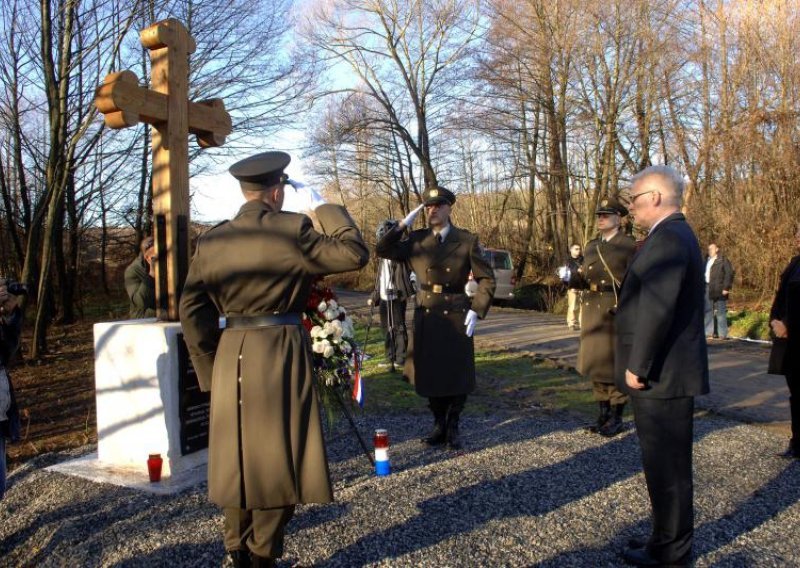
[(10, 329), (719, 280), (785, 323), (266, 451), (604, 264), (140, 283), (662, 361), (441, 360), (393, 288)]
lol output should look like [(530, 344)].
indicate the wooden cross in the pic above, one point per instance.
[(166, 107)]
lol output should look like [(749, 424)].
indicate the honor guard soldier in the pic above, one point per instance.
[(241, 311), (605, 261), (440, 362)]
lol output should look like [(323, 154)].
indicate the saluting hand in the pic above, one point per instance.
[(633, 381), (409, 220)]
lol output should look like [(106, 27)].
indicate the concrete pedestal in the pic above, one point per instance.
[(137, 390)]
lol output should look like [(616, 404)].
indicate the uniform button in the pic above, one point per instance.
[(429, 295), (447, 269), (240, 379), (240, 403), (447, 298), (445, 312), (427, 311), (240, 357), (429, 282)]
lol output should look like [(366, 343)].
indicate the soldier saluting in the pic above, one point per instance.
[(605, 261), (440, 362), (266, 451)]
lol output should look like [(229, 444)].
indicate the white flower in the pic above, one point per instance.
[(347, 327), (327, 329), (346, 347), (315, 331), (322, 307), (333, 305), (328, 351), (331, 314), (318, 347)]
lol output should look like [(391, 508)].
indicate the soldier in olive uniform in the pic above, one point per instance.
[(605, 261), (266, 451), (440, 362)]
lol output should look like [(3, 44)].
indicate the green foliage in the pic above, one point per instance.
[(751, 324)]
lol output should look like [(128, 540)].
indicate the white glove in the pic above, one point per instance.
[(470, 321), (409, 220), (305, 198), (564, 273)]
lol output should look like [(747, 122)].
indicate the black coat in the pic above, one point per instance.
[(441, 360), (720, 277), (10, 329), (786, 307), (659, 319)]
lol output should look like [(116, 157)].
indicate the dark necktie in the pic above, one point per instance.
[(439, 239)]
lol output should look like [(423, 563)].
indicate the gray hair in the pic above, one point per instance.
[(669, 176)]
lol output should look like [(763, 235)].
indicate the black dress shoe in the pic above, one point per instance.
[(636, 543), (261, 562), (639, 557)]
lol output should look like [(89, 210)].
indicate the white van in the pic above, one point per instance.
[(500, 261)]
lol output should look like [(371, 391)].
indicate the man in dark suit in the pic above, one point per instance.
[(440, 362), (662, 361), (266, 452)]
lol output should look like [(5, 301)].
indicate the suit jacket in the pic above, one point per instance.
[(440, 360), (261, 379), (659, 320), (720, 277), (786, 307)]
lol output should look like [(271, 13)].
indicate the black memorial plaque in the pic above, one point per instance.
[(194, 405)]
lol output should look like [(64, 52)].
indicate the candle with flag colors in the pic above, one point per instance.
[(381, 442)]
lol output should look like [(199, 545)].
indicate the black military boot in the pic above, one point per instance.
[(240, 558), (438, 435), (602, 418), (613, 425), (453, 437)]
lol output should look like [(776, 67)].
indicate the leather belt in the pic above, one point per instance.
[(601, 288), (441, 288), (263, 320)]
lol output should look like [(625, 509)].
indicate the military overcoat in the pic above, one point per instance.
[(441, 358), (265, 448), (604, 266)]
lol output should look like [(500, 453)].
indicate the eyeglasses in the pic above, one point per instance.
[(637, 195)]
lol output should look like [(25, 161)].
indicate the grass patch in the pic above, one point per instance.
[(506, 381), (751, 324)]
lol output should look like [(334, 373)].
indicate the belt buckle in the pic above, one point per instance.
[(437, 289)]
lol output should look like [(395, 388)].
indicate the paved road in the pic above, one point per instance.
[(740, 387)]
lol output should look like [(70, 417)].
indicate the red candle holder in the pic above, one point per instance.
[(154, 464)]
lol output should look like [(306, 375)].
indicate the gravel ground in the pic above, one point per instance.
[(531, 489)]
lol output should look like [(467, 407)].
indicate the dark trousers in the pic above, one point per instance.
[(793, 382), (444, 405), (608, 392), (664, 427), (258, 530), (393, 323)]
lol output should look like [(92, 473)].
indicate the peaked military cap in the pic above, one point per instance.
[(613, 206), (438, 195), (261, 170)]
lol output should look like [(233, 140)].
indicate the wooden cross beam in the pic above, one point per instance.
[(166, 107)]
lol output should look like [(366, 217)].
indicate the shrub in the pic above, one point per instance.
[(751, 324)]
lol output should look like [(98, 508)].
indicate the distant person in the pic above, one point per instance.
[(10, 328), (441, 355), (662, 360), (572, 266), (785, 323), (604, 265), (393, 288), (266, 452), (140, 281), (719, 280)]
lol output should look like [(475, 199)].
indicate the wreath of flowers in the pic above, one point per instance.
[(333, 344)]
